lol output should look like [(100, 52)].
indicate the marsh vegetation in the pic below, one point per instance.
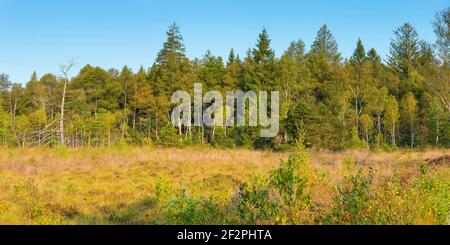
[(125, 185)]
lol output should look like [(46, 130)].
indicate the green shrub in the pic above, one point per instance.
[(168, 136), (434, 195), (222, 140), (283, 197), (254, 203), (186, 210), (35, 211), (352, 200), (163, 189)]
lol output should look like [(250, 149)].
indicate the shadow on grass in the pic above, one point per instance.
[(140, 212)]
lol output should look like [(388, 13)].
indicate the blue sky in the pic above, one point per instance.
[(40, 35)]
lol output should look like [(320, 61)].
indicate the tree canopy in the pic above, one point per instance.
[(328, 101)]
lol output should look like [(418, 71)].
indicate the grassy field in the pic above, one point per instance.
[(210, 186)]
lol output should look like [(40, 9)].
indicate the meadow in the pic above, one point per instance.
[(145, 185)]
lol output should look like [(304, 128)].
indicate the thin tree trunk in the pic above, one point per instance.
[(214, 128), (134, 106), (124, 125), (378, 129), (203, 133), (61, 119), (65, 69), (393, 135), (149, 125), (179, 130), (437, 133), (156, 126)]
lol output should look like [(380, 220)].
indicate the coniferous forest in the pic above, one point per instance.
[(338, 103)]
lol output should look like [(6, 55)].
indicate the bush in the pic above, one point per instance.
[(352, 200), (35, 211), (283, 197), (168, 137), (163, 189), (185, 210), (222, 140), (433, 194), (253, 202)]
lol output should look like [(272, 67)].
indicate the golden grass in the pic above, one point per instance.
[(82, 186)]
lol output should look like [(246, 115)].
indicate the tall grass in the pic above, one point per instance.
[(213, 186)]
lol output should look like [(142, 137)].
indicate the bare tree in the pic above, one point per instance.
[(65, 70), (441, 26), (440, 85)]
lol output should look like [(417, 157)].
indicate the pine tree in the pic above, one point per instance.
[(5, 83), (325, 45), (173, 47), (231, 58), (296, 50), (262, 53), (359, 55), (171, 67), (232, 72), (259, 66), (212, 72), (373, 56), (404, 49)]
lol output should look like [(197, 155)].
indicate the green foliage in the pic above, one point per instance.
[(355, 142), (168, 137), (359, 55), (221, 139), (253, 200), (325, 45), (180, 208), (184, 210), (340, 102), (404, 50), (282, 197), (352, 200), (164, 192), (26, 196), (433, 193)]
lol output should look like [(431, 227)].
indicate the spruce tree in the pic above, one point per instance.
[(325, 45), (359, 55), (373, 56), (404, 50), (171, 68), (296, 50), (262, 53)]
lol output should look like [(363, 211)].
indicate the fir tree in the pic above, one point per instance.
[(325, 45)]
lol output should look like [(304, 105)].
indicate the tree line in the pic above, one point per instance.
[(330, 101)]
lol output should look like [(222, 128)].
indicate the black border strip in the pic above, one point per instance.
[(134, 234)]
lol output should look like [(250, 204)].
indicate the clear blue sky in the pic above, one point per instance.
[(40, 35)]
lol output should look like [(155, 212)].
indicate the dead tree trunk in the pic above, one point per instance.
[(65, 69)]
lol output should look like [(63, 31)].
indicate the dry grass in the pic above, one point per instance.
[(119, 185)]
